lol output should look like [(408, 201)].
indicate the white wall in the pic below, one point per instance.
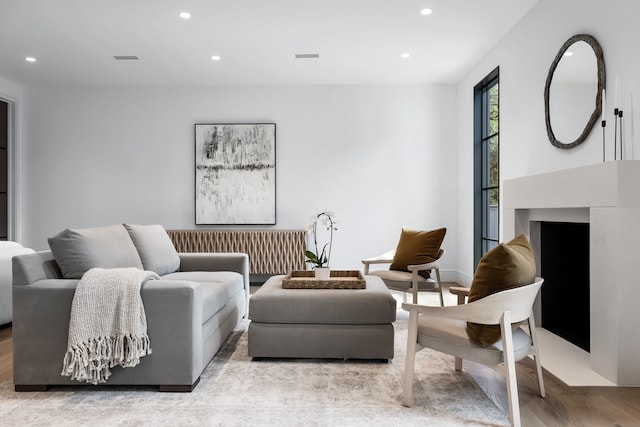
[(9, 90), (102, 155), (380, 157), (524, 56)]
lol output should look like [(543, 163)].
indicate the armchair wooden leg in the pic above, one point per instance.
[(437, 271), (458, 364), (412, 338), (509, 361), (536, 354)]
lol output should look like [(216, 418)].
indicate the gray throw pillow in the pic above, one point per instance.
[(78, 250), (155, 248)]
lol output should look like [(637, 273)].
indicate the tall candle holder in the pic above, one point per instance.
[(621, 115), (604, 128), (615, 133)]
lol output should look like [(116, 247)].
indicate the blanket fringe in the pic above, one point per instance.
[(91, 361)]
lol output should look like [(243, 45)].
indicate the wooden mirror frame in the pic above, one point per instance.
[(597, 112)]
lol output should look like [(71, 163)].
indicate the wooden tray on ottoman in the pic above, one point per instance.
[(339, 279)]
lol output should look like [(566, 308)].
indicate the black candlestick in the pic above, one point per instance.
[(621, 136), (604, 127), (615, 134)]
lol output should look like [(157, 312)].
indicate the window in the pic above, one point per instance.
[(4, 168), (486, 164)]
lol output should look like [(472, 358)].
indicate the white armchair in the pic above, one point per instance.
[(410, 282), (444, 329), (7, 251)]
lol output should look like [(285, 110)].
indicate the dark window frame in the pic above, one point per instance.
[(5, 115), (483, 186)]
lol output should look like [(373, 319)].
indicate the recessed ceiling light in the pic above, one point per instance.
[(30, 59), (307, 55), (405, 55), (426, 11), (215, 58), (185, 15)]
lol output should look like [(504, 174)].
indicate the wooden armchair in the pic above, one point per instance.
[(410, 282), (444, 329)]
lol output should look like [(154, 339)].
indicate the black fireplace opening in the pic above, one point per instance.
[(564, 265)]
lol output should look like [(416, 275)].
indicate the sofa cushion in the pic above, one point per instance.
[(218, 287), (78, 250), (155, 248), (508, 265), (417, 247)]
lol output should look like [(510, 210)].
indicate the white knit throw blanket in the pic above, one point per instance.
[(108, 325)]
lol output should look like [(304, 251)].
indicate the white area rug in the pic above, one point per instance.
[(236, 391)]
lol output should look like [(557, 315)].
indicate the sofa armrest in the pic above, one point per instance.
[(174, 319), (29, 268), (216, 261)]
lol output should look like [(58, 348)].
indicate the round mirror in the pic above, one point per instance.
[(573, 91)]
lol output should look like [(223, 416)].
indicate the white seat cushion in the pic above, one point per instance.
[(401, 280), (450, 336)]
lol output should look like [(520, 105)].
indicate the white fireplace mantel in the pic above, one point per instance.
[(606, 195)]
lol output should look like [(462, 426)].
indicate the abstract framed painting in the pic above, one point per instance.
[(236, 173)]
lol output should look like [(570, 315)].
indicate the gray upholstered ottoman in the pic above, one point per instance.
[(322, 323)]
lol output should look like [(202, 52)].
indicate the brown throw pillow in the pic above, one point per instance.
[(508, 265), (417, 247)]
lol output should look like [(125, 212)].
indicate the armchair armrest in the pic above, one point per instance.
[(433, 265), (488, 310), (466, 312), (427, 266), (385, 258), (462, 293)]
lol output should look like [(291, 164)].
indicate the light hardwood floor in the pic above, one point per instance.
[(563, 405), (6, 355)]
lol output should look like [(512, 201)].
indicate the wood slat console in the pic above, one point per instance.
[(270, 251)]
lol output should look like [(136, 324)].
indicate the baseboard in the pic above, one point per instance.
[(448, 275), (462, 279)]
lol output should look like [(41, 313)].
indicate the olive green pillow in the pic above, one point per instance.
[(506, 266), (417, 247)]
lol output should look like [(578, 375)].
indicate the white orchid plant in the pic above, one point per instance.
[(320, 259)]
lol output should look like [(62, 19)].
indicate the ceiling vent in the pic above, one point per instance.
[(307, 55), (126, 58)]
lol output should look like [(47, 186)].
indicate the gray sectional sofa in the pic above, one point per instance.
[(190, 311)]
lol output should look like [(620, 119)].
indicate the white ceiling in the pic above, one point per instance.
[(359, 41)]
